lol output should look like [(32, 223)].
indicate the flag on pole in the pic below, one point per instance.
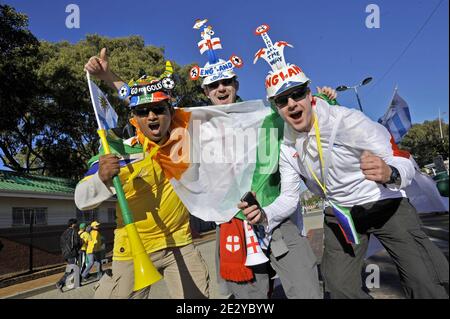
[(145, 273), (104, 112), (397, 118)]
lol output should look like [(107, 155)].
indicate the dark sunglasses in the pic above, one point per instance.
[(215, 85), (296, 95), (157, 110)]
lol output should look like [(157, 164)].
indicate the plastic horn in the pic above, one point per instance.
[(145, 273), (255, 255)]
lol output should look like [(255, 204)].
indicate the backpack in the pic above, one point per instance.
[(69, 243)]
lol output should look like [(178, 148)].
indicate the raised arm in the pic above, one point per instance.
[(98, 66)]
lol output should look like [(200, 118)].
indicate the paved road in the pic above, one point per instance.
[(158, 290), (435, 225)]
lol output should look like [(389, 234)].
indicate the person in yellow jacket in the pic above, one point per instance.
[(94, 245), (85, 237)]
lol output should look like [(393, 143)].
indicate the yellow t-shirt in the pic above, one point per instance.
[(161, 218), (94, 243), (85, 238)]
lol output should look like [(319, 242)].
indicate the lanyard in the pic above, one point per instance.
[(319, 148), (154, 149)]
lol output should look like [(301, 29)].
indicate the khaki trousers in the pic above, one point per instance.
[(183, 269)]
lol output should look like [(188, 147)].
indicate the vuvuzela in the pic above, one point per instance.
[(145, 273)]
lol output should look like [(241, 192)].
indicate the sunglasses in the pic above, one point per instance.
[(296, 95), (215, 85), (157, 110)]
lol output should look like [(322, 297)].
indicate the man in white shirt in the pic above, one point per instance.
[(347, 158)]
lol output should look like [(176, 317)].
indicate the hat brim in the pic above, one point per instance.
[(288, 86), (148, 98)]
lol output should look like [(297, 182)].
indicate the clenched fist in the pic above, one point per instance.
[(374, 168), (108, 168)]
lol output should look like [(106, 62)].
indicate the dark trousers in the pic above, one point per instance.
[(62, 281), (422, 267)]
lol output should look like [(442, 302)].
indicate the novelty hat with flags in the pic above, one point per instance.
[(283, 76), (215, 69), (149, 89)]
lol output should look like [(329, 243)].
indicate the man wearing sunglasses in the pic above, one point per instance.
[(291, 256), (223, 90), (161, 218), (348, 159)]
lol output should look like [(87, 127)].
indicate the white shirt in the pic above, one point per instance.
[(345, 182)]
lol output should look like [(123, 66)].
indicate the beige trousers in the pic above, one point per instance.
[(183, 269)]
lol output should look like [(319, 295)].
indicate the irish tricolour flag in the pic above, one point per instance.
[(228, 150)]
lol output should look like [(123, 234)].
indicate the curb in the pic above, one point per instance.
[(40, 290), (32, 292), (18, 279)]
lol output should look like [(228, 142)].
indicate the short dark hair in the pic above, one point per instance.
[(72, 221)]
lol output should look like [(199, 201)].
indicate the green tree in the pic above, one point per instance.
[(71, 136), (19, 59), (424, 141), (51, 127)]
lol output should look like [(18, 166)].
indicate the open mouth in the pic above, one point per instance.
[(154, 127), (223, 98), (296, 115)]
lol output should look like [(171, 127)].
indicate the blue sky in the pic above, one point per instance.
[(331, 41)]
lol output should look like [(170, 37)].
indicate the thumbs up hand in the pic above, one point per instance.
[(98, 66)]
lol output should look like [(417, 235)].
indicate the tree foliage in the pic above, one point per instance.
[(18, 62), (49, 125), (424, 141)]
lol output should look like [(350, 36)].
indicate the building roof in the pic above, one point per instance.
[(19, 182)]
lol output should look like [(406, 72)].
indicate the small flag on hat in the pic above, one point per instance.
[(215, 69)]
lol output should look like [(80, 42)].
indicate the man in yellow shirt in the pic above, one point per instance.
[(93, 247), (161, 218)]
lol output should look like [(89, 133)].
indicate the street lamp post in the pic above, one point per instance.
[(440, 124), (342, 88), (32, 217)]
